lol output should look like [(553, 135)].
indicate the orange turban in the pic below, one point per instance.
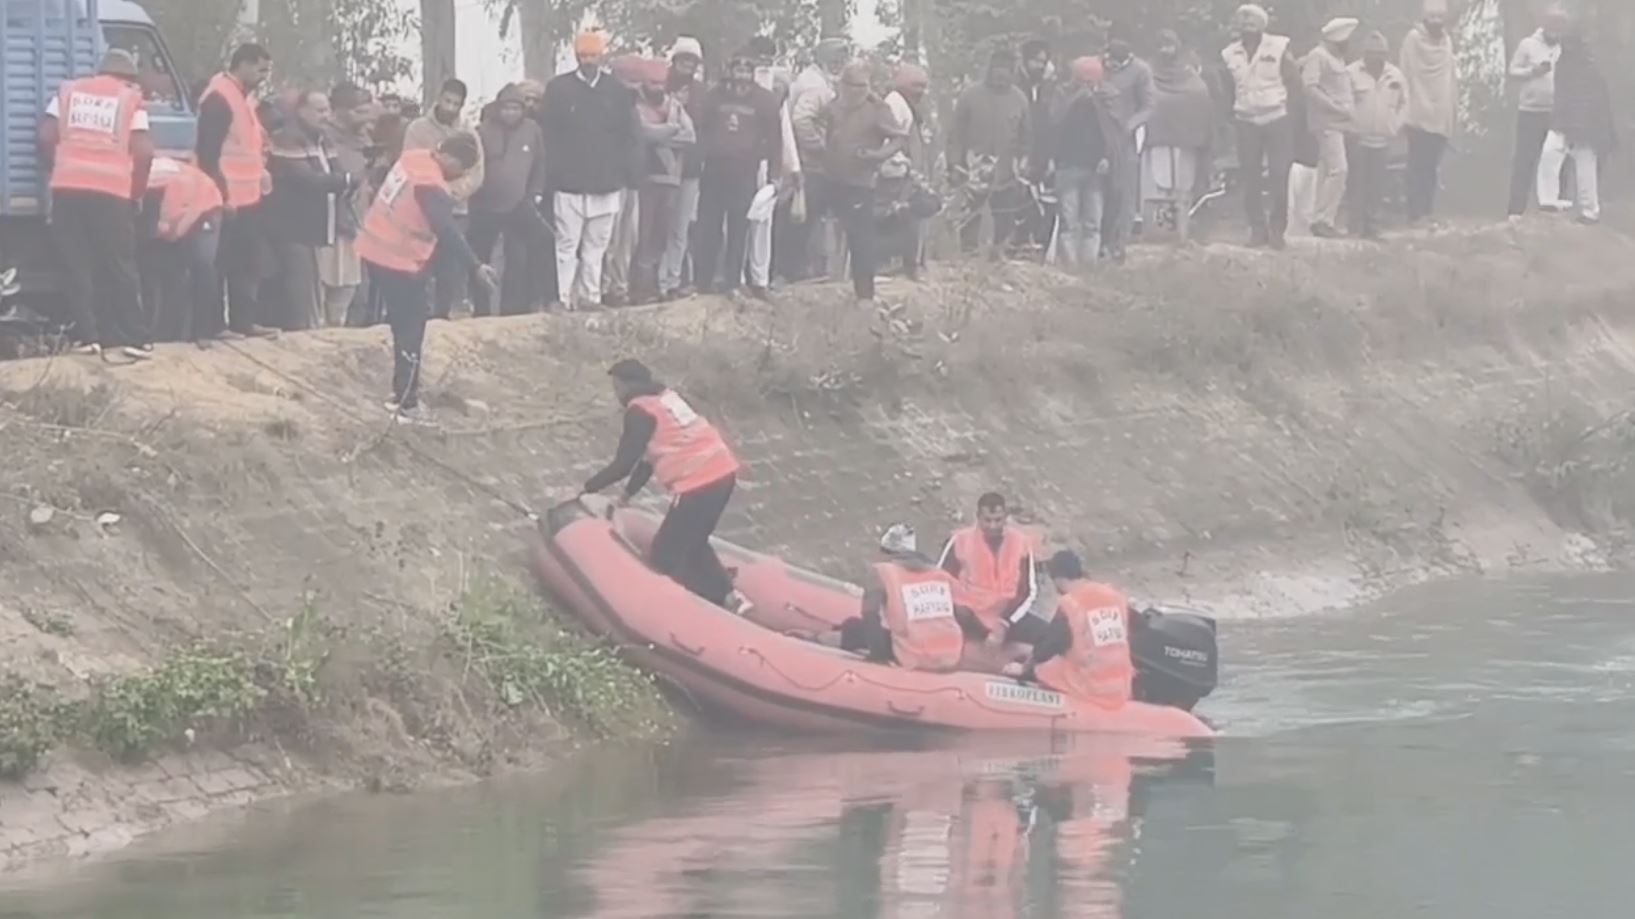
[(590, 44), (1087, 69)]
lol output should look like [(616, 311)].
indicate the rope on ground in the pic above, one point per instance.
[(435, 461)]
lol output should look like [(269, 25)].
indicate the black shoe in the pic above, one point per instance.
[(1324, 231)]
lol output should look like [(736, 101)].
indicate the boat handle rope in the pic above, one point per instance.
[(960, 693), (695, 652), (908, 712)]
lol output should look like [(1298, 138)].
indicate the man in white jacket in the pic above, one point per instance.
[(1381, 104)]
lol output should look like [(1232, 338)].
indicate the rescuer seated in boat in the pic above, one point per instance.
[(1085, 649), (665, 438), (911, 615), (994, 561)]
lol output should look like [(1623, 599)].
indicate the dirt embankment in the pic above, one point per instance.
[(1255, 433)]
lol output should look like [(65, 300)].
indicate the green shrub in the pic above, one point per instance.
[(29, 727), (129, 715)]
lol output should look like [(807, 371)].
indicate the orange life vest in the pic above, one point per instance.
[(95, 116), (918, 611), (396, 233), (244, 154), (992, 578), (1097, 667), (686, 451), (189, 195)]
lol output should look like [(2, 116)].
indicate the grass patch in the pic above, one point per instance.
[(30, 725), (128, 716), (49, 623), (515, 644)]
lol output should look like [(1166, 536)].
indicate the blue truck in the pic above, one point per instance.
[(43, 43)]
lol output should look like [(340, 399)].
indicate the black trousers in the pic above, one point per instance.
[(1424, 171), (1531, 130), (96, 242), (854, 206), (1365, 186), (179, 280), (724, 196), (681, 547), (527, 243), (403, 297), (242, 262), (449, 277), (1008, 204), (1265, 155)]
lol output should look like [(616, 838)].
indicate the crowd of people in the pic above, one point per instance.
[(634, 179)]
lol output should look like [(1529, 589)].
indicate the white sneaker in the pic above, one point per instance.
[(416, 415), (739, 605)]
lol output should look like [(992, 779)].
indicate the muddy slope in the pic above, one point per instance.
[(1254, 433)]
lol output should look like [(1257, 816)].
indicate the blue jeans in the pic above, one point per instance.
[(1081, 194)]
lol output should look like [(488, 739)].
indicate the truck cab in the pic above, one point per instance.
[(43, 44)]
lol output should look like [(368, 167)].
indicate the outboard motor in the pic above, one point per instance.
[(1177, 658)]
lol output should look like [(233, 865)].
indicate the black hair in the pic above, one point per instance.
[(761, 46), (248, 53), (990, 501), (458, 87), (1034, 47), (631, 370), (347, 96), (463, 147), (1065, 564)]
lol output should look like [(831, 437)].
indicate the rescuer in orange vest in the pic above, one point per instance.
[(995, 562), (1085, 651), (232, 149), (95, 137), (181, 230), (912, 616), (411, 218), (665, 438)]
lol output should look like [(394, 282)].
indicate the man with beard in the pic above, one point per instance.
[(1264, 77), (591, 151), (987, 140), (232, 149), (738, 132), (507, 204), (427, 133), (352, 114)]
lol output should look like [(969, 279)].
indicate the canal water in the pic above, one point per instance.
[(1460, 751)]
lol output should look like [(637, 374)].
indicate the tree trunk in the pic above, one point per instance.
[(834, 17), (914, 12), (539, 39), (437, 46)]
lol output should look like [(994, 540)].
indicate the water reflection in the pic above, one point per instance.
[(963, 831)]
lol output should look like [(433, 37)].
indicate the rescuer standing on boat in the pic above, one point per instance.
[(665, 438), (1085, 650), (994, 561)]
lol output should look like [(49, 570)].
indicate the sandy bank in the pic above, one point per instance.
[(1253, 433)]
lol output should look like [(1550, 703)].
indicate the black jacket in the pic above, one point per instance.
[(591, 146)]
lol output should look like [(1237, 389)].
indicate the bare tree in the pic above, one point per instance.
[(437, 46)]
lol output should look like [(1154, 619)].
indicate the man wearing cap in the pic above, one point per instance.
[(95, 137), (1533, 67), (591, 156), (668, 130), (506, 207), (1085, 651), (913, 615), (1084, 144), (1432, 72), (1329, 104), (1263, 76), (684, 86), (665, 438), (739, 133), (1381, 104)]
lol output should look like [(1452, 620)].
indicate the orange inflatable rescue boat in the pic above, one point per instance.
[(748, 667)]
